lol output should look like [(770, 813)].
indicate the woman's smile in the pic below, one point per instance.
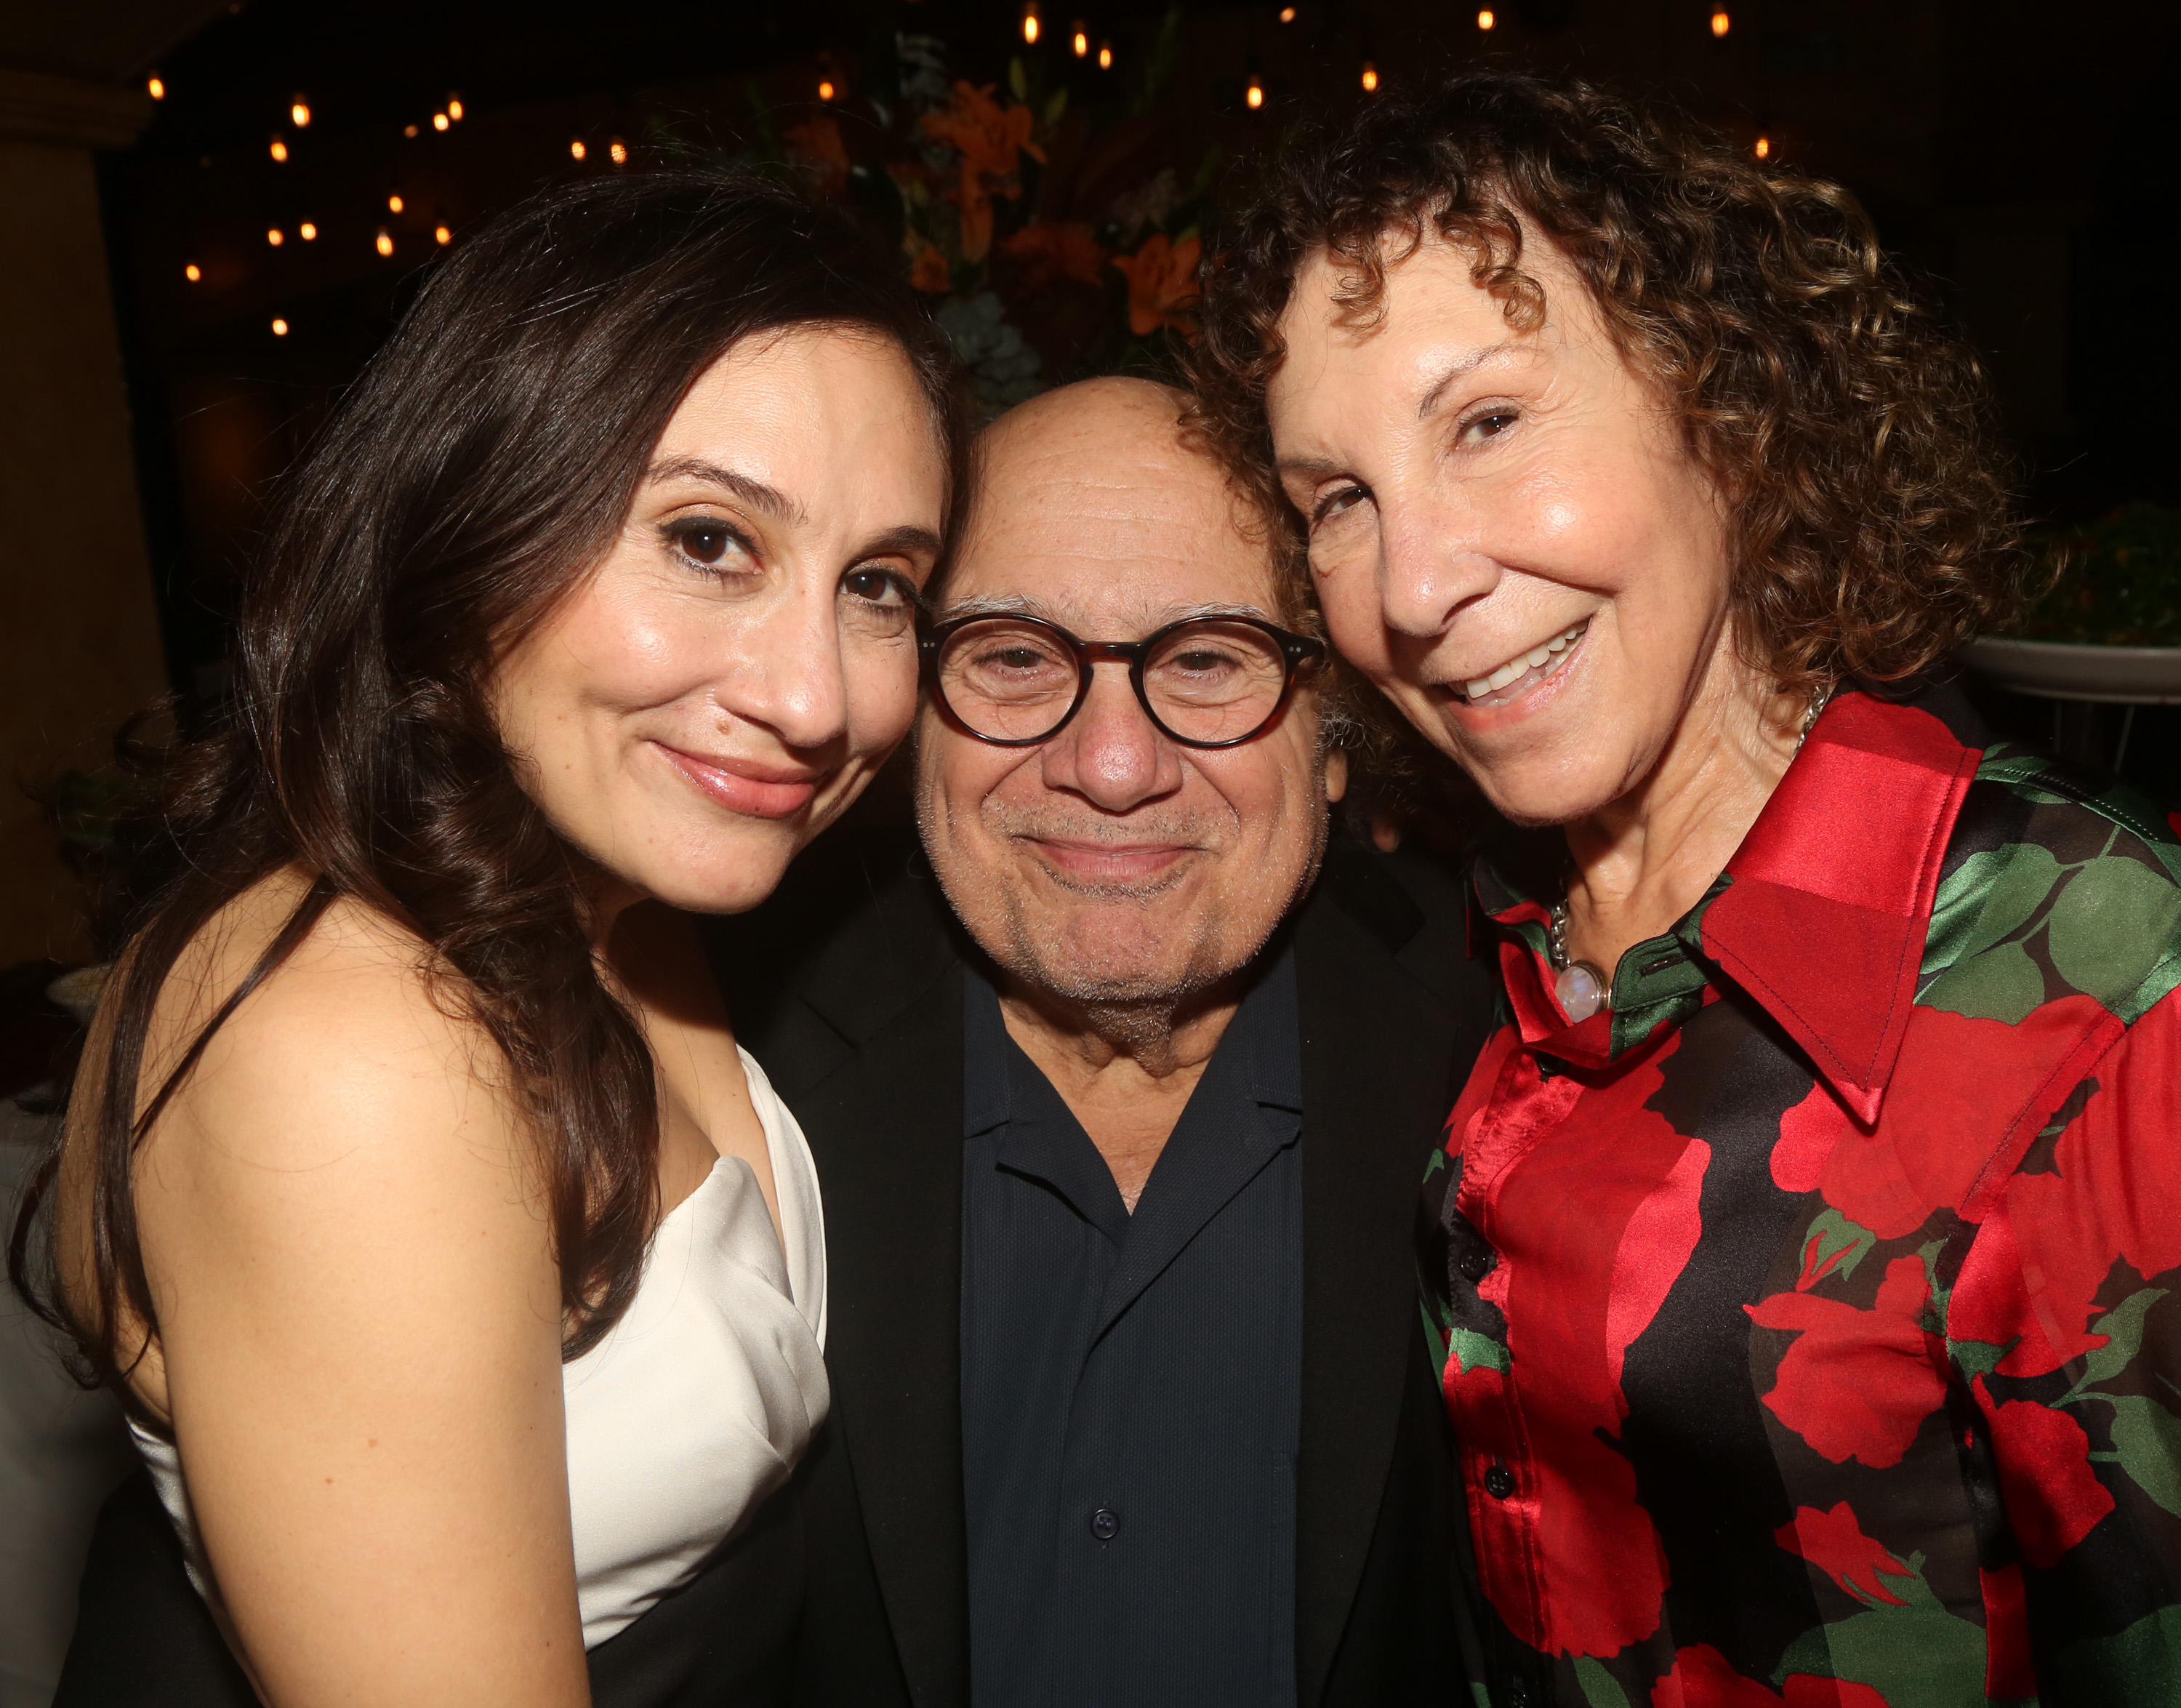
[(1523, 673), (747, 786)]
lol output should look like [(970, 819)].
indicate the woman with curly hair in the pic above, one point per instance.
[(463, 1279), (1803, 1257)]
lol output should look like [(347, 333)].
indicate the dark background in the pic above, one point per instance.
[(2018, 158)]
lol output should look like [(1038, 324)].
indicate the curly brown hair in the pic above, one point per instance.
[(1846, 431)]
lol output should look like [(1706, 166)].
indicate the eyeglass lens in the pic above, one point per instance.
[(1213, 681)]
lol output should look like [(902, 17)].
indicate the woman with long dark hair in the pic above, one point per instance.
[(464, 1282)]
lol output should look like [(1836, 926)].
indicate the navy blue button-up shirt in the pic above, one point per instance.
[(1131, 1385)]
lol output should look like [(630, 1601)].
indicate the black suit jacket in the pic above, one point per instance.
[(859, 1026)]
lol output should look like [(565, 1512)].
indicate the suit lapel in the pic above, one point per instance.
[(886, 1131), (1378, 1059)]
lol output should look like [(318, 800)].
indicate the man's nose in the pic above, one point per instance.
[(1110, 753)]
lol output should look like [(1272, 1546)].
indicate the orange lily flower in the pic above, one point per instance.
[(1049, 251), (927, 267), (1162, 279), (991, 138)]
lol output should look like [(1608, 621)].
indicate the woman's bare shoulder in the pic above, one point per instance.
[(337, 1125), (357, 1020), (348, 1071)]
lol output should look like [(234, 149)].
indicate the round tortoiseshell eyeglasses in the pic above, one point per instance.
[(1207, 681)]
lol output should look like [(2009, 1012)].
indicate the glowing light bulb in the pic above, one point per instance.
[(278, 150), (617, 152), (156, 86), (1080, 41), (1485, 20), (1721, 23), (394, 202), (1370, 78), (1763, 148), (576, 149), (454, 109), (443, 234), (1105, 55), (1030, 23), (1287, 14), (192, 271), (276, 236), (1255, 94), (279, 327), (384, 243), (825, 90), (438, 121), (408, 131), (308, 231), (301, 113)]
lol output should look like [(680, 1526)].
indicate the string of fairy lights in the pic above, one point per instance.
[(1255, 97), (1253, 91), (280, 148), (1081, 44)]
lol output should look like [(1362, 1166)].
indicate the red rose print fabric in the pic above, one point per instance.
[(1811, 1320)]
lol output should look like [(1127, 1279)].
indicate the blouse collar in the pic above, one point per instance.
[(1819, 917)]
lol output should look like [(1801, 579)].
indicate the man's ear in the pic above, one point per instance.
[(1336, 774)]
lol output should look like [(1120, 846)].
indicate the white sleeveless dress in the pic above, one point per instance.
[(697, 1404)]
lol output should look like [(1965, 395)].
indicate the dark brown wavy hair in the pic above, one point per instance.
[(1845, 429), (477, 471)]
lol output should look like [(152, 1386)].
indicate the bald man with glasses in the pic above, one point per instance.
[(1121, 1089)]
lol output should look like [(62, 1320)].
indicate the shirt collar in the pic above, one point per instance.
[(1819, 917), (1264, 1031)]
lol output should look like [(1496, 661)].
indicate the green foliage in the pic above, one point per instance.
[(1831, 1235), (2108, 925), (1477, 1352), (2002, 984), (1916, 1656), (2148, 1438), (2123, 1327), (1992, 895), (1434, 1342), (1975, 1358), (1599, 1687), (2116, 583), (1969, 967), (2139, 1664)]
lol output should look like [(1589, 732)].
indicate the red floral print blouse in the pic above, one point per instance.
[(1811, 1321)]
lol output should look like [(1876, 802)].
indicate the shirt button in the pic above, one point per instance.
[(1477, 1262), (1499, 1482), (1105, 1524)]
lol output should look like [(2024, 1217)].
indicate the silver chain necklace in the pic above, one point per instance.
[(1582, 986)]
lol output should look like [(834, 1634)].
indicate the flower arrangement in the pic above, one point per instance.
[(1057, 233)]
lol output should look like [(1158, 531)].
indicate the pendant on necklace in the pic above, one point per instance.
[(1580, 988)]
